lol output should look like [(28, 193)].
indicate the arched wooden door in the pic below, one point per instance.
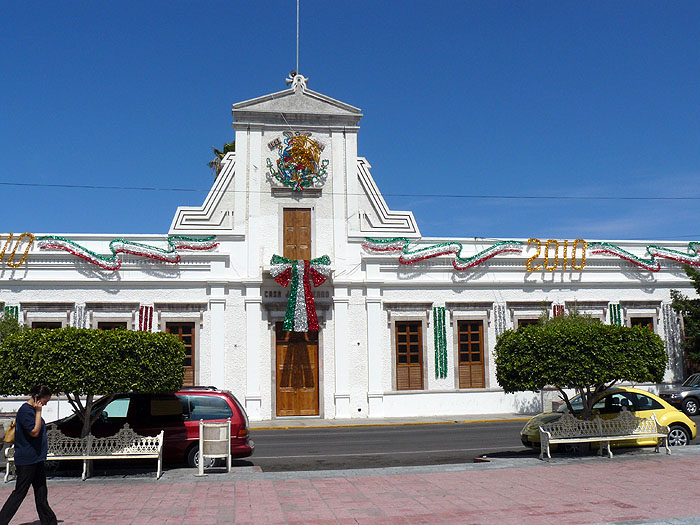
[(297, 373)]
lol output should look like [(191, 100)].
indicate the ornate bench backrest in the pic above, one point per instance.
[(623, 424), (125, 442), (570, 426), (650, 426), (62, 445)]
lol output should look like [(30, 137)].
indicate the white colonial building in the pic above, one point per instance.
[(382, 322)]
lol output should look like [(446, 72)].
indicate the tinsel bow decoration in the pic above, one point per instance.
[(301, 309)]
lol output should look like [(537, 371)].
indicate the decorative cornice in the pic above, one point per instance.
[(212, 215), (180, 307), (46, 307), (112, 307), (382, 221)]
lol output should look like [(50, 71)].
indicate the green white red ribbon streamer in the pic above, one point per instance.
[(119, 246), (301, 308), (145, 318), (408, 256), (12, 311), (690, 257), (615, 316), (439, 337), (454, 248), (79, 317)]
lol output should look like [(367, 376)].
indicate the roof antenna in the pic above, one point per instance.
[(297, 36)]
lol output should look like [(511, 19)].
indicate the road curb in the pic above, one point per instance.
[(387, 424)]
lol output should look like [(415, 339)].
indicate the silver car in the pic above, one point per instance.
[(686, 397)]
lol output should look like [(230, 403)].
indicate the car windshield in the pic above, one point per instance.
[(576, 404), (692, 381)]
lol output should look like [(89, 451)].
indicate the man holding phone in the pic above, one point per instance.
[(31, 447)]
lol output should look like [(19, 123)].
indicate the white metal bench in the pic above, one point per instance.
[(125, 444), (624, 426)]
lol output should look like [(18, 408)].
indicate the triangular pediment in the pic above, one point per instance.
[(297, 104)]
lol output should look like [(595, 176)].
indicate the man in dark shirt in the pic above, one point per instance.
[(31, 447)]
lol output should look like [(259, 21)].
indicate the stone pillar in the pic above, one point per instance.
[(339, 187), (375, 392), (217, 331), (342, 358), (254, 215), (253, 310)]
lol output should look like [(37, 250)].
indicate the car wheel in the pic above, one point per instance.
[(193, 458), (678, 436), (690, 406)]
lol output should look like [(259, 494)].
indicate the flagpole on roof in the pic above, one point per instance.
[(297, 70)]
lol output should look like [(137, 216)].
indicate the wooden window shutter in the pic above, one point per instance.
[(409, 355), (470, 337), (185, 332), (297, 233)]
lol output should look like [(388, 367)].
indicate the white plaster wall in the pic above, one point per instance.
[(446, 403)]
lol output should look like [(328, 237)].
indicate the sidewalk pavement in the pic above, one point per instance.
[(636, 486), (316, 422)]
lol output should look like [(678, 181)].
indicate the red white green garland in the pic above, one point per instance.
[(118, 246), (301, 308), (400, 244), (454, 248), (145, 318), (691, 257)]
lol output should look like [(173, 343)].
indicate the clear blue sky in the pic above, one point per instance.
[(461, 98)]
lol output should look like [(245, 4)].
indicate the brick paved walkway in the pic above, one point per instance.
[(652, 488)]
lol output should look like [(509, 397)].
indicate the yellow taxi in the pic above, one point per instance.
[(640, 402)]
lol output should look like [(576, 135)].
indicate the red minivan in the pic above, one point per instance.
[(177, 414)]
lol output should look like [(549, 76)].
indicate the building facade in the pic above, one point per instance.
[(296, 287)]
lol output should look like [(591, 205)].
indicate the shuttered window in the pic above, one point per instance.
[(409, 355), (470, 337), (297, 233), (185, 331), (111, 325), (527, 322), (46, 324), (647, 322)]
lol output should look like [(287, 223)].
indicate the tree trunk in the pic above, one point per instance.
[(86, 416), (86, 427)]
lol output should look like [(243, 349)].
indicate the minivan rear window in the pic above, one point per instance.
[(156, 408), (166, 406), (208, 407)]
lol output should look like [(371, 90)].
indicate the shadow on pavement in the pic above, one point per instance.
[(64, 470)]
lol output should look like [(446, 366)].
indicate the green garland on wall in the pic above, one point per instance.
[(440, 342), (12, 311), (615, 317)]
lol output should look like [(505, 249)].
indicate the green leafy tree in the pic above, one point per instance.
[(219, 154), (690, 310), (83, 363), (580, 353)]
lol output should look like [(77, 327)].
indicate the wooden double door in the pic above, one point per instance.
[(297, 373)]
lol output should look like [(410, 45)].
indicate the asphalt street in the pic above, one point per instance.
[(383, 446)]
